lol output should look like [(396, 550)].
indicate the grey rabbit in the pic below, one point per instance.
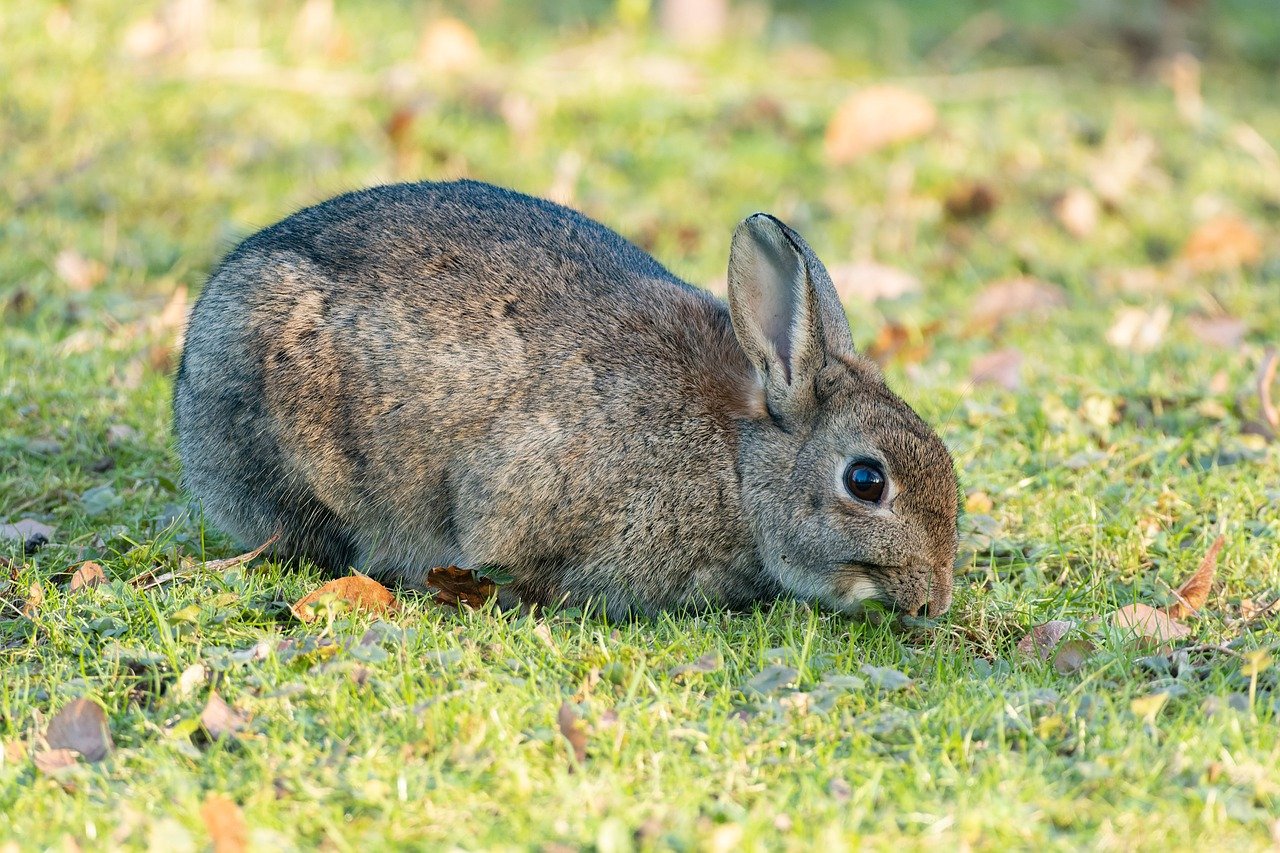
[(439, 374)]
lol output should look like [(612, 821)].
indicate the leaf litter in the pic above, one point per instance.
[(78, 730)]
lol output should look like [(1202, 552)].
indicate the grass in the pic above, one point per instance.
[(1109, 472)]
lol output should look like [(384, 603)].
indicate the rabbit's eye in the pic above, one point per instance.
[(864, 481)]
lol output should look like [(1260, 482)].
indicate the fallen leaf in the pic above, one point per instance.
[(709, 662), (1224, 242), (1266, 378), (899, 342), (573, 730), (1222, 331), (77, 271), (1118, 168), (1182, 75), (978, 502), (240, 559), (35, 598), (1015, 297), (1002, 367), (53, 760), (1043, 639), (874, 118), (225, 824), (220, 720), (971, 201), (191, 678), (869, 281), (1148, 623), (1139, 330), (694, 23), (1256, 662), (448, 46), (1194, 591), (118, 434), (361, 592), (1147, 707), (1071, 655), (89, 575), (770, 680), (81, 725), (453, 586), (1077, 212)]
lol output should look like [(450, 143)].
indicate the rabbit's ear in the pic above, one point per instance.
[(785, 311)]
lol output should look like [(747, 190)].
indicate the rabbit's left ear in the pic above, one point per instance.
[(785, 311)]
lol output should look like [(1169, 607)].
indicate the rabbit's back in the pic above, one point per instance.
[(434, 373)]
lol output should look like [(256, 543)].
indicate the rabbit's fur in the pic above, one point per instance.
[(455, 374)]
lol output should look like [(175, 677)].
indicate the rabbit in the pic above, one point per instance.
[(435, 374)]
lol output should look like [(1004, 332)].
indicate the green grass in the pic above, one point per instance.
[(1110, 472)]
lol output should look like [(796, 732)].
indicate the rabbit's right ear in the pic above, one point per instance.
[(785, 312)]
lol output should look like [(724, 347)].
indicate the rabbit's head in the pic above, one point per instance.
[(850, 495)]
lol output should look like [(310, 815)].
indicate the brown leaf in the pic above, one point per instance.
[(77, 271), (1148, 623), (1223, 331), (81, 725), (362, 593), (225, 823), (1077, 212), (1043, 639), (239, 560), (573, 730), (53, 760), (1015, 297), (869, 281), (1194, 591), (874, 118), (971, 201), (221, 720), (35, 598), (452, 585), (1224, 242), (1071, 655), (898, 342), (89, 575), (1121, 163), (1002, 367), (1139, 330), (448, 46)]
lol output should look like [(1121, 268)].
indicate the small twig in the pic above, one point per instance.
[(1211, 647)]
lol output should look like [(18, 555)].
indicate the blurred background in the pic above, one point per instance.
[(1073, 197)]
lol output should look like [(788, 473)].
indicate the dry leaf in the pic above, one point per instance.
[(1043, 639), (1120, 165), (978, 503), (869, 281), (452, 585), (1182, 74), (77, 271), (221, 720), (89, 575), (970, 201), (1139, 330), (239, 560), (26, 529), (694, 23), (448, 46), (53, 760), (573, 730), (1194, 591), (1071, 655), (1224, 242), (35, 598), (898, 342), (1077, 212), (191, 678), (1225, 332), (81, 725), (225, 823), (1148, 623), (874, 118), (1267, 377), (1015, 297), (1002, 367), (362, 593)]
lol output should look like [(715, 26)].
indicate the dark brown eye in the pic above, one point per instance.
[(864, 481)]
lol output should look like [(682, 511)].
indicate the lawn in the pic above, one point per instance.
[(1086, 237)]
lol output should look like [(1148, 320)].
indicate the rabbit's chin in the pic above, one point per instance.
[(854, 595)]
